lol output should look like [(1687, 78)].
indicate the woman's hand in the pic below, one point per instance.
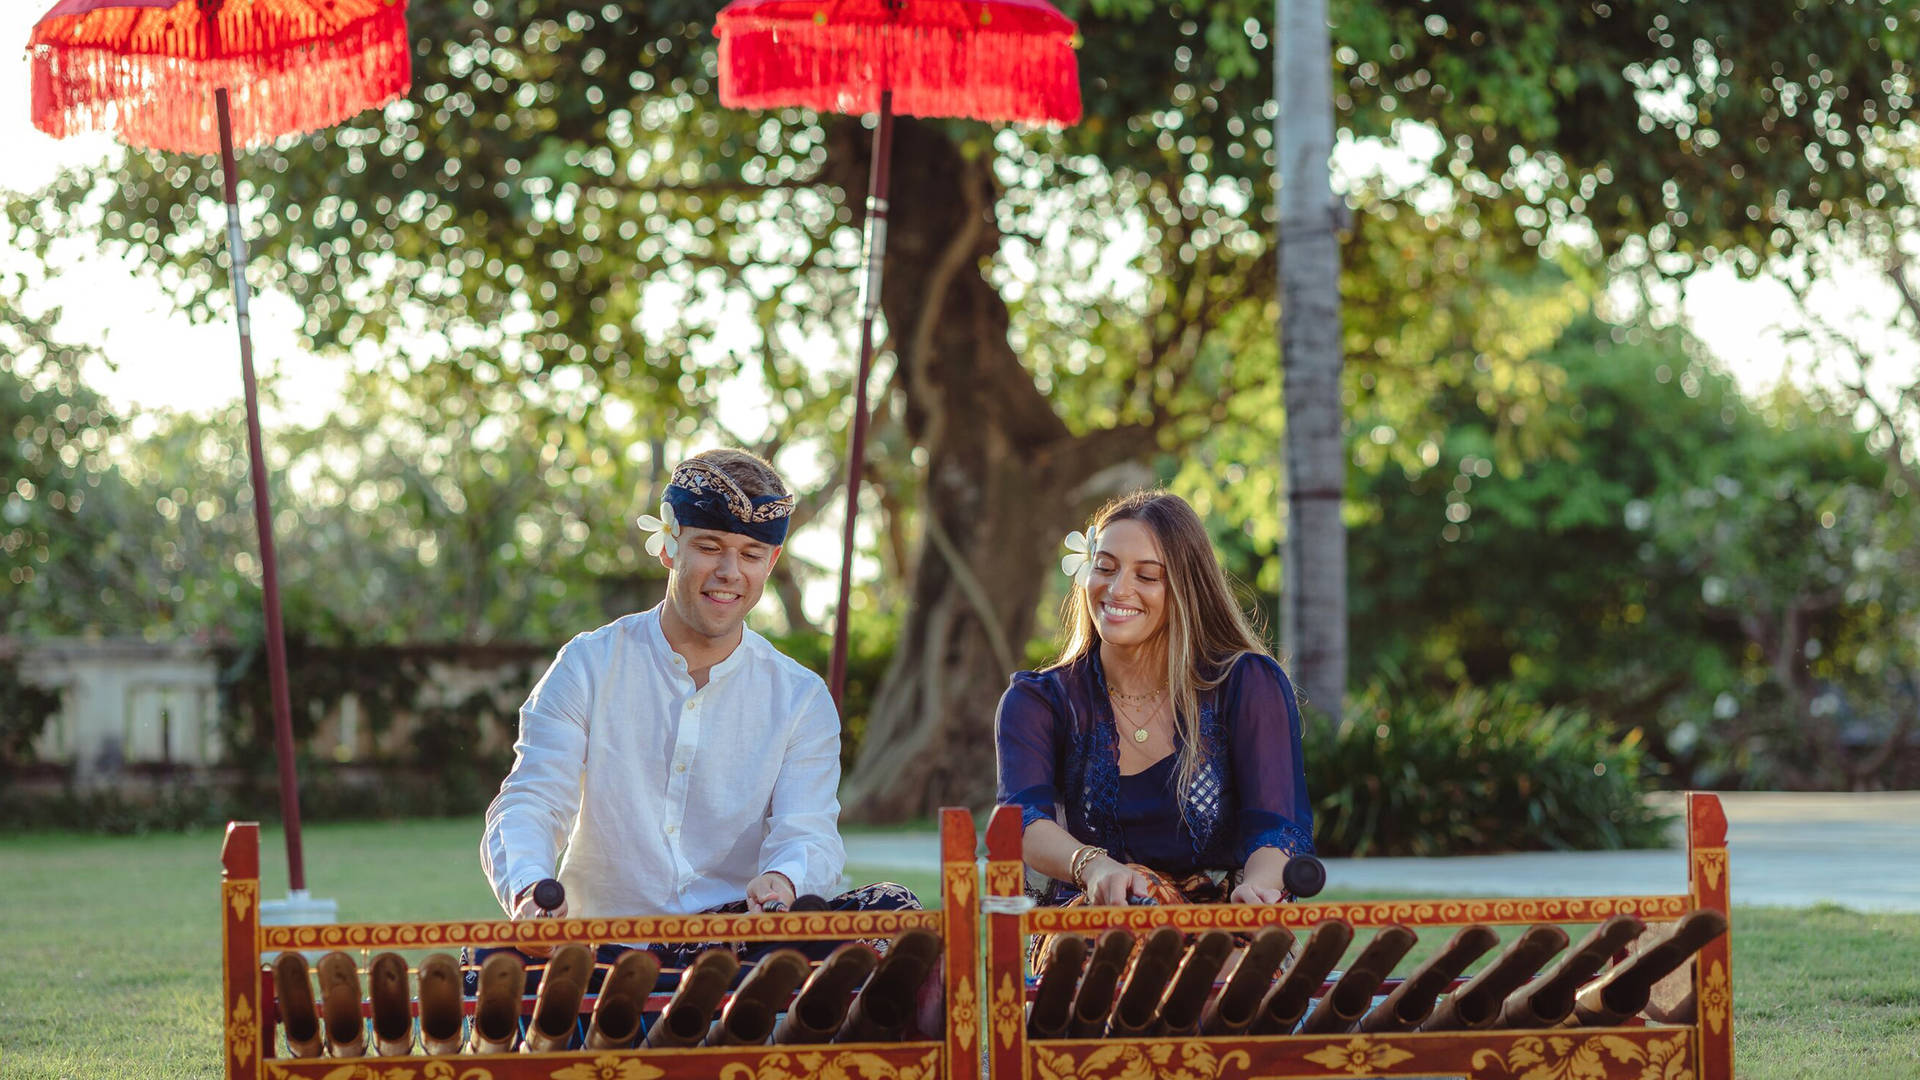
[(1249, 893), (1261, 880), (1110, 882)]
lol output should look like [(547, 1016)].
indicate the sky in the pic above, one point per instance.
[(161, 360)]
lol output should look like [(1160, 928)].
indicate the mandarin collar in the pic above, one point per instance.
[(657, 640)]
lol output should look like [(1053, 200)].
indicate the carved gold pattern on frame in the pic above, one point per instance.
[(1565, 1057)]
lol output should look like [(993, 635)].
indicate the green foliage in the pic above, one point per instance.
[(560, 247), (24, 712), (552, 158), (870, 645), (1678, 132), (1481, 771), (1661, 559), (55, 435), (1808, 556)]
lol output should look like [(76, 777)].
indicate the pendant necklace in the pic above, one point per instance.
[(1123, 705)]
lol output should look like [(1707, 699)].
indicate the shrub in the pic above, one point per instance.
[(1482, 771), (175, 807), (24, 712), (327, 794)]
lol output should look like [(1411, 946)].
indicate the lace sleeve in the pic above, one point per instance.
[(1262, 717), (1025, 731)]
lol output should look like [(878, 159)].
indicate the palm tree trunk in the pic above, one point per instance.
[(1314, 604)]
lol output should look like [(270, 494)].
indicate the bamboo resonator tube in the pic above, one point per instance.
[(1547, 1001), (1476, 1005), (392, 1005), (885, 1005), (1344, 1005), (749, 1016), (1094, 1000), (1410, 1003), (1234, 1010), (496, 1010), (1145, 984), (1053, 997), (440, 999), (344, 1029), (623, 997), (818, 1013), (1287, 1001), (556, 1008), (685, 1020), (294, 990), (1179, 1012), (1622, 992)]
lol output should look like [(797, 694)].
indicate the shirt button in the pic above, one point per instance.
[(679, 768), (671, 829)]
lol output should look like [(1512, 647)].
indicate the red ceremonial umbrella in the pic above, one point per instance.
[(195, 76), (995, 60)]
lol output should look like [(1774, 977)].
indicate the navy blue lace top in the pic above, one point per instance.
[(1059, 760)]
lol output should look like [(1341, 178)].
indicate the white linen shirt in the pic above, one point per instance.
[(670, 799)]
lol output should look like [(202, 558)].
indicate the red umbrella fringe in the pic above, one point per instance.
[(166, 103), (931, 71), (186, 28)]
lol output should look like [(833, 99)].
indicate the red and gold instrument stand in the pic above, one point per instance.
[(251, 1018), (1699, 1051)]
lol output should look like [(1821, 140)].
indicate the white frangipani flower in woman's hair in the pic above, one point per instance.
[(665, 530), (1077, 563)]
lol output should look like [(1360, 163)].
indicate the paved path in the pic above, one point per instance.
[(1791, 849)]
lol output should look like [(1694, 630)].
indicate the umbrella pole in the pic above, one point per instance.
[(262, 515), (875, 259)]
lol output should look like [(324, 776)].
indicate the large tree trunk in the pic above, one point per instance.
[(1314, 607), (1006, 480)]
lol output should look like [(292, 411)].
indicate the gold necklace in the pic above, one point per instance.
[(1137, 699), (1140, 732)]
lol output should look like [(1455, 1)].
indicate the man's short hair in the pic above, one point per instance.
[(751, 471)]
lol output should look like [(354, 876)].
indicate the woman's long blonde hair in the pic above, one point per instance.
[(1206, 631)]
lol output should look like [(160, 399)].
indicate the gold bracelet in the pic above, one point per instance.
[(1083, 857)]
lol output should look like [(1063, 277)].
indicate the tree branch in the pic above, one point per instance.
[(976, 593), (952, 257), (1897, 273)]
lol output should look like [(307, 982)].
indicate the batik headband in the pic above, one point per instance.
[(703, 496)]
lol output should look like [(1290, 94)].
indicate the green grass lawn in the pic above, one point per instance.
[(109, 952)]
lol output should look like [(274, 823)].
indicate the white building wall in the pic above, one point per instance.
[(127, 703), (138, 703)]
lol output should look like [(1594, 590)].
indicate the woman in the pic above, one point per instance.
[(1159, 756)]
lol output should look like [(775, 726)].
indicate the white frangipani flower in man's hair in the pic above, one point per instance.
[(665, 530), (1077, 563)]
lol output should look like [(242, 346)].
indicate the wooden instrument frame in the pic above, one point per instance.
[(1702, 1050), (250, 1018), (986, 1012)]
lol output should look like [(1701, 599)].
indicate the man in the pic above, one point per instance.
[(684, 762)]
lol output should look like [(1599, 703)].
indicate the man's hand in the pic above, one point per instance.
[(1110, 882), (772, 888), (525, 908)]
